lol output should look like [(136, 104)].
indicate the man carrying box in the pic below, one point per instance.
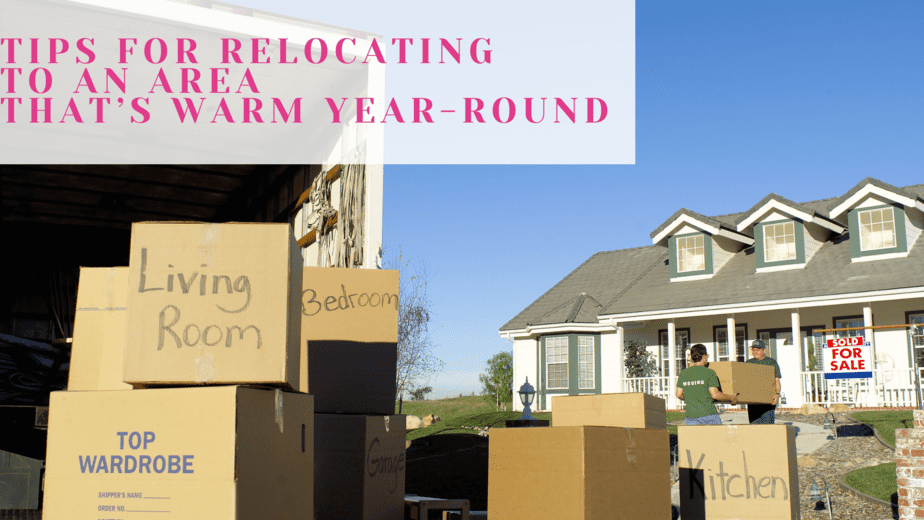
[(698, 386), (764, 413)]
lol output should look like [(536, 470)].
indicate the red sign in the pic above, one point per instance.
[(847, 358)]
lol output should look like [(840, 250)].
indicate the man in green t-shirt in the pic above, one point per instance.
[(698, 387), (764, 413)]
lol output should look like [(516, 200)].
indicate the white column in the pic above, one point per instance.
[(873, 393), (868, 333), (672, 363), (620, 359), (732, 340), (790, 361)]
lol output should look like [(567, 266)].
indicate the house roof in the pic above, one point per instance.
[(804, 212), (708, 221), (908, 196), (602, 278), (580, 309), (638, 280)]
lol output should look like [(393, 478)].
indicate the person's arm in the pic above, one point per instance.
[(680, 393), (777, 396), (718, 395)]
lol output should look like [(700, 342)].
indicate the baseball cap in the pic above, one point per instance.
[(758, 343)]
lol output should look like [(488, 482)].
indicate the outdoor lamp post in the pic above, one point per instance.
[(815, 494), (527, 394), (831, 424)]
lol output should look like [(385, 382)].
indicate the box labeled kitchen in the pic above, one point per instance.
[(213, 304), (213, 453), (359, 466), (350, 339), (738, 471)]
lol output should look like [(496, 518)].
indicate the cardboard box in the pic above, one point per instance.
[(213, 304), (630, 410), (578, 472), (359, 466), (22, 479), (214, 453), (97, 352), (738, 471), (350, 339), (755, 383)]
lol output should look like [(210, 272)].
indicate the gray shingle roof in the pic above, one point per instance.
[(603, 277), (909, 191), (829, 272), (580, 309), (684, 211), (638, 280)]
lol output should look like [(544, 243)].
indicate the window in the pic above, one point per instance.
[(586, 362), (779, 242), (691, 254), (721, 341), (848, 322), (682, 343), (877, 229), (556, 362)]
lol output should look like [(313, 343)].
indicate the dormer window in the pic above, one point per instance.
[(779, 242), (877, 228), (786, 234), (884, 221), (697, 246), (691, 254)]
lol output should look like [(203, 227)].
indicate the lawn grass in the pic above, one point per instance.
[(875, 481), (448, 409), (886, 422), (457, 412), (879, 481), (674, 416)]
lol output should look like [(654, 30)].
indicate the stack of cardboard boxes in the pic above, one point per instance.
[(605, 456), (359, 441), (157, 419)]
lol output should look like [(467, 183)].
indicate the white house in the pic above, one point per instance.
[(778, 271)]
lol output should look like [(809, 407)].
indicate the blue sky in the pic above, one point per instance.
[(734, 100)]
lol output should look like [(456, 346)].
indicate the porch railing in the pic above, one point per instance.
[(887, 388), (660, 386)]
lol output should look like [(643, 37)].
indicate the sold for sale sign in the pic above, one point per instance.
[(848, 358)]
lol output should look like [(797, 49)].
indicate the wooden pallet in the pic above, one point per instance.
[(425, 508)]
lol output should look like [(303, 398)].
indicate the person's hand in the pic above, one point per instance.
[(776, 398), (735, 399)]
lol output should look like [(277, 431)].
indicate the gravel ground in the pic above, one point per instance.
[(856, 448)]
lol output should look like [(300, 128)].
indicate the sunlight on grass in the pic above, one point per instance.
[(886, 422), (875, 481)]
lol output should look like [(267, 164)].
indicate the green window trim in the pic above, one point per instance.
[(799, 231), (573, 369), (707, 254), (898, 214)]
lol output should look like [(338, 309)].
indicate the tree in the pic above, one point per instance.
[(640, 362), (416, 362), (497, 380), (419, 394)]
